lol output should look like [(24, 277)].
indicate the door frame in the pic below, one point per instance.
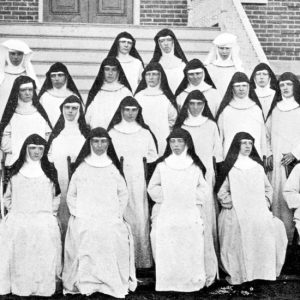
[(136, 12)]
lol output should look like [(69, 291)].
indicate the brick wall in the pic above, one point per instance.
[(19, 10), (163, 12), (277, 26)]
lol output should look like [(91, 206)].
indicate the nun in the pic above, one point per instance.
[(158, 103), (57, 86), (134, 141), (99, 253), (108, 90), (123, 48), (240, 110), (171, 57), (183, 251), (283, 128), (264, 82), (252, 241), (196, 117), (23, 115), (196, 77), (30, 243), (15, 56), (66, 140), (223, 60)]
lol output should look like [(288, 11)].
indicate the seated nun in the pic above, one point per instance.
[(30, 242), (185, 260), (252, 240), (99, 250)]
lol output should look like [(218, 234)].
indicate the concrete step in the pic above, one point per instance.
[(82, 47)]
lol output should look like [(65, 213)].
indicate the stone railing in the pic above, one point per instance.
[(230, 16)]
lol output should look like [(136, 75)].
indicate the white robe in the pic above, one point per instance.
[(266, 101), (212, 96), (18, 129), (291, 194), (133, 147), (284, 137), (208, 144), (252, 241), (30, 243), (67, 143), (133, 69), (104, 105), (51, 104), (159, 114), (221, 76), (184, 260), (99, 254), (250, 119)]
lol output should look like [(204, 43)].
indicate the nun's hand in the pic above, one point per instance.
[(227, 205), (287, 158), (269, 163)]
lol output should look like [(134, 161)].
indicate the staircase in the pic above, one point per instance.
[(82, 47)]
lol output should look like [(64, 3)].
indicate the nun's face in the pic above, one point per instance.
[(224, 52), (26, 92), (246, 147), (195, 76), (125, 45), (152, 78), (15, 57), (196, 107), (129, 113), (241, 89), (287, 88), (58, 79), (99, 145), (70, 111), (111, 74), (35, 152), (177, 145), (166, 43), (262, 78)]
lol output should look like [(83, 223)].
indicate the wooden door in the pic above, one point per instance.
[(89, 11)]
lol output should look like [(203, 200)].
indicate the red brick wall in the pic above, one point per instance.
[(277, 26), (163, 12), (19, 10)]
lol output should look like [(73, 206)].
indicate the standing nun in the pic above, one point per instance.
[(223, 60), (196, 117), (99, 254), (23, 115), (30, 252), (57, 86), (196, 77), (15, 61), (264, 82), (134, 141), (66, 139), (171, 57), (252, 241), (240, 110), (132, 64), (183, 251), (283, 127), (108, 90), (158, 103)]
